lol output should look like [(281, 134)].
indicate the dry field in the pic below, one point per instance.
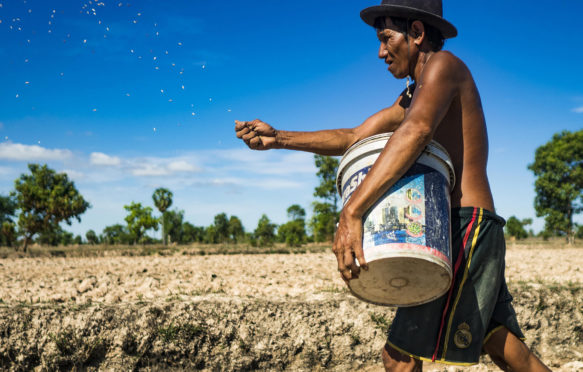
[(244, 312)]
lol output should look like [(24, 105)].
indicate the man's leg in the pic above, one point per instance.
[(395, 361), (511, 354)]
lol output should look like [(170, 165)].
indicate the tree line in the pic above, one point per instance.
[(43, 199)]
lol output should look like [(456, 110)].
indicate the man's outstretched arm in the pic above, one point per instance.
[(261, 136)]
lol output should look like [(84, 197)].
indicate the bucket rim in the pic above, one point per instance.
[(431, 149)]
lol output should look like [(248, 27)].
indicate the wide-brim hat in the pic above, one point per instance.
[(429, 11)]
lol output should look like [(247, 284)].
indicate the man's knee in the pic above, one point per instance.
[(505, 348), (394, 361)]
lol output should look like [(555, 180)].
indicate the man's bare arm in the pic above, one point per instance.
[(261, 136)]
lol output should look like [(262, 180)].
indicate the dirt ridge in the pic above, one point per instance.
[(217, 332)]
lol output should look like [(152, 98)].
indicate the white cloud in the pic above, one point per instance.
[(158, 167), (99, 158), (578, 110), (181, 166), (20, 152), (1, 125), (150, 170)]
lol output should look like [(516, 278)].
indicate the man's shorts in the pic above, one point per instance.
[(453, 328)]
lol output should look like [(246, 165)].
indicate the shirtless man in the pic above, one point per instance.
[(443, 105)]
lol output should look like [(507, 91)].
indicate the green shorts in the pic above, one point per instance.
[(453, 328)]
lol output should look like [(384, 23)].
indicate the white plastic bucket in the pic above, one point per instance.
[(407, 232)]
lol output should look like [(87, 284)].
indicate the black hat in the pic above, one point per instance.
[(429, 11)]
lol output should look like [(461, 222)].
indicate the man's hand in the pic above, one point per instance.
[(348, 246), (256, 134)]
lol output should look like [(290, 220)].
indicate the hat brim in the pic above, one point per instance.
[(369, 15)]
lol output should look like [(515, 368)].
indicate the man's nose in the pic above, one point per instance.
[(383, 51)]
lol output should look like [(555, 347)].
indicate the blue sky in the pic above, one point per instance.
[(128, 96)]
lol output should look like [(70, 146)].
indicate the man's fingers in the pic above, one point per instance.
[(248, 136), (345, 274), (349, 263), (240, 125), (360, 257), (255, 142), (242, 132)]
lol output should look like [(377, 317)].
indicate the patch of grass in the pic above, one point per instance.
[(172, 332), (173, 298), (169, 333), (380, 321), (65, 341)]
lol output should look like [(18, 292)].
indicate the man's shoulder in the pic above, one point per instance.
[(444, 64)]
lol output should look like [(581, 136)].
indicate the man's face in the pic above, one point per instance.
[(393, 49)]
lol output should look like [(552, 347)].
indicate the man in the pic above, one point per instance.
[(443, 105)]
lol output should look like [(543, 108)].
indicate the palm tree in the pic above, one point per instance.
[(162, 200)]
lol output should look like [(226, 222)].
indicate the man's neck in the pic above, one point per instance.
[(422, 59)]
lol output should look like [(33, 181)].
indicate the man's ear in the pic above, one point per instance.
[(418, 31)]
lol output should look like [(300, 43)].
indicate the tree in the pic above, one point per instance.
[(327, 169), (7, 226), (210, 235), (293, 232), (46, 198), (55, 236), (116, 234), (8, 234), (236, 230), (325, 216), (323, 222), (558, 168), (264, 234), (221, 226), (515, 227), (92, 237), (162, 200), (174, 224), (191, 233), (296, 212), (139, 220)]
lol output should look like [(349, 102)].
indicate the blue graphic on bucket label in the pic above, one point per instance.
[(415, 210), (399, 216)]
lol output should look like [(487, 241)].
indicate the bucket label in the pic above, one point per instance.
[(414, 212), (400, 215)]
